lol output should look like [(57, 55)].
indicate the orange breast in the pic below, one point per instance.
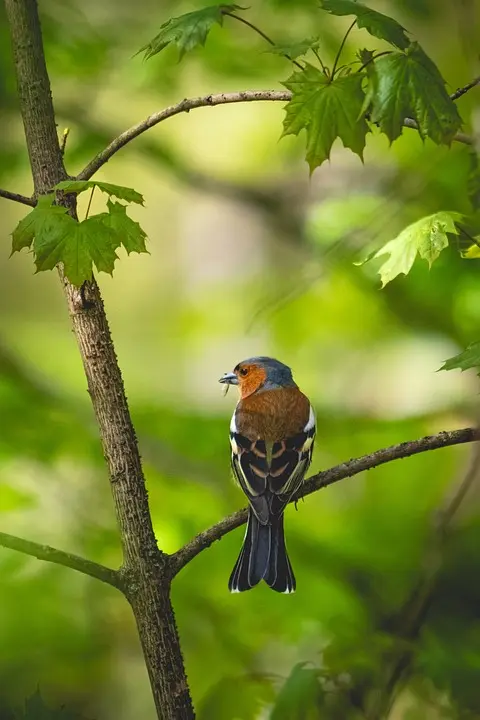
[(273, 415)]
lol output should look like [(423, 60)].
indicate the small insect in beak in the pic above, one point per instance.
[(227, 380)]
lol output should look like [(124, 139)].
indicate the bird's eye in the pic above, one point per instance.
[(243, 371)]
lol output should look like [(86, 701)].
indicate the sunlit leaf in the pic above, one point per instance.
[(295, 49), (118, 191), (409, 85), (469, 358), (377, 24), (427, 237), (326, 110), (187, 31), (472, 252)]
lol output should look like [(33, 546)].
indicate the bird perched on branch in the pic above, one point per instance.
[(271, 436)]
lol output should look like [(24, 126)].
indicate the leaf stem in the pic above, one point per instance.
[(262, 34), (317, 55), (89, 202), (342, 45)]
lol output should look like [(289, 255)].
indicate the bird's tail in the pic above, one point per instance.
[(263, 557)]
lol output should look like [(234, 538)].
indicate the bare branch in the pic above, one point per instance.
[(18, 198), (461, 91), (59, 557), (395, 452), (183, 106)]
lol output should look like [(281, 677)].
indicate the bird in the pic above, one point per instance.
[(272, 434)]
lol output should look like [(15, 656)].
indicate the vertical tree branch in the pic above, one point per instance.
[(145, 570)]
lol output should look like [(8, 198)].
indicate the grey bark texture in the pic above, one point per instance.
[(145, 572)]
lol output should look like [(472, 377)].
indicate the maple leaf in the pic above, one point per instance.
[(187, 31), (326, 110), (427, 237), (409, 85)]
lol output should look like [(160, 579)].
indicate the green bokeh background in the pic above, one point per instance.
[(247, 256)]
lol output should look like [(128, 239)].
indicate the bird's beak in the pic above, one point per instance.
[(229, 379)]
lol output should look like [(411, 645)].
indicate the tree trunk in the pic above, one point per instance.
[(145, 568)]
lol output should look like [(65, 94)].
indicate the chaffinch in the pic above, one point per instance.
[(271, 436)]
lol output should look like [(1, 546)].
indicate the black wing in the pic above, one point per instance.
[(271, 473)]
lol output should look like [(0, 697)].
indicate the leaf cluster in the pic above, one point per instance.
[(56, 237)]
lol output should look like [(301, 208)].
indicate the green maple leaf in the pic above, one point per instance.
[(326, 110), (469, 358), (295, 49), (377, 24), (44, 218), (78, 246), (427, 237), (187, 31), (58, 238), (126, 231), (118, 191), (409, 85)]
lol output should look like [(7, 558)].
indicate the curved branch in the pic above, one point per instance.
[(18, 198), (431, 442), (219, 99), (183, 106), (59, 557)]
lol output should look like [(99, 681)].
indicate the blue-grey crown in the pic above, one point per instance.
[(277, 372)]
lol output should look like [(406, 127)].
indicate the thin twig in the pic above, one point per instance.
[(63, 143), (18, 198), (342, 45), (262, 34), (59, 557), (323, 479), (191, 104), (461, 91)]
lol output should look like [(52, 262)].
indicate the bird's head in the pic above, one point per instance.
[(257, 374)]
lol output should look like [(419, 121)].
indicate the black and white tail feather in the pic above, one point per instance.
[(270, 474)]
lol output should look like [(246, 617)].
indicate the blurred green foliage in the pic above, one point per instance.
[(247, 256)]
